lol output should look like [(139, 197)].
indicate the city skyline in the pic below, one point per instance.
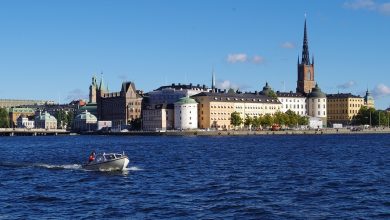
[(51, 50)]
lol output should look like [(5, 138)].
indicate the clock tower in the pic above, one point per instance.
[(305, 81)]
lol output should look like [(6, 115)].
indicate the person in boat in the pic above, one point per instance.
[(92, 157)]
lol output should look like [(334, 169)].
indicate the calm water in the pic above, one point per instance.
[(251, 177)]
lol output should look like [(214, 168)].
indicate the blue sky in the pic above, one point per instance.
[(51, 49)]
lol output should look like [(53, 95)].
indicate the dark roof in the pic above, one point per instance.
[(159, 106), (237, 97), (183, 86), (341, 95), (316, 93), (289, 94)]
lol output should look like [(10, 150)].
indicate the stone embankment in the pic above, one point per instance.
[(248, 132)]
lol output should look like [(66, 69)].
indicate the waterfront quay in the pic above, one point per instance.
[(341, 131), (32, 132)]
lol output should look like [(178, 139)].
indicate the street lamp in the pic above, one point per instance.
[(370, 118)]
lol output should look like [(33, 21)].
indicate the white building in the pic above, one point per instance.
[(186, 114), (46, 121), (23, 122), (158, 117), (171, 94), (295, 102), (85, 121), (316, 104)]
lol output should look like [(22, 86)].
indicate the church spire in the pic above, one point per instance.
[(213, 80), (305, 48)]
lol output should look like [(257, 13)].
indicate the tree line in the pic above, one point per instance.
[(372, 117), (289, 119)]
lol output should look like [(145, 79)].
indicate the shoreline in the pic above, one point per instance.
[(329, 131), (243, 132)]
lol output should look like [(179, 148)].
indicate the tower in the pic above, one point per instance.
[(305, 82), (213, 80), (92, 90)]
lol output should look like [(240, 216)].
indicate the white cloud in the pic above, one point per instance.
[(226, 84), (235, 58), (361, 4), (288, 45), (76, 94), (347, 85), (258, 59), (381, 90), (383, 8)]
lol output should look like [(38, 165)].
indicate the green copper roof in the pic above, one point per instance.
[(45, 117), (86, 116), (22, 110), (317, 93), (186, 100)]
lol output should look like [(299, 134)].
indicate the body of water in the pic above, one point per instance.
[(247, 177)]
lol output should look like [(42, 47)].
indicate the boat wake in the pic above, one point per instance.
[(59, 167), (134, 168), (41, 165)]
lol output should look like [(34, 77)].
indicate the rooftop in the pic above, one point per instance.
[(237, 97), (341, 95)]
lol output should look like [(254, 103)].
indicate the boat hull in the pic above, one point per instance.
[(117, 164)]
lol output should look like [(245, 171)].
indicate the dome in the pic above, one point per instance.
[(266, 89), (186, 100), (316, 93)]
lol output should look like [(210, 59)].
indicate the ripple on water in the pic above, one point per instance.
[(253, 177)]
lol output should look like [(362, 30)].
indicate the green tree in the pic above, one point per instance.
[(61, 117), (280, 118), (267, 120), (256, 122), (365, 116), (272, 94), (4, 118), (292, 118), (69, 119), (303, 120), (235, 119), (248, 121), (136, 124)]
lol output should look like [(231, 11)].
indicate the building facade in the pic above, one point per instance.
[(215, 109), (16, 112), (293, 101), (119, 107), (159, 117), (45, 121), (342, 107), (85, 121), (24, 122), (186, 114), (171, 94), (317, 104)]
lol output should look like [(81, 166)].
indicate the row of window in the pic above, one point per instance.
[(294, 106), (345, 100), (292, 100)]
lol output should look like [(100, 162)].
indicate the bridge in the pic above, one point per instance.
[(32, 132)]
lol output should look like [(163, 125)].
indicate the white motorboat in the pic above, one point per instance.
[(108, 162)]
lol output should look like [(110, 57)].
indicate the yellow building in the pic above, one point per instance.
[(215, 109), (342, 107)]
